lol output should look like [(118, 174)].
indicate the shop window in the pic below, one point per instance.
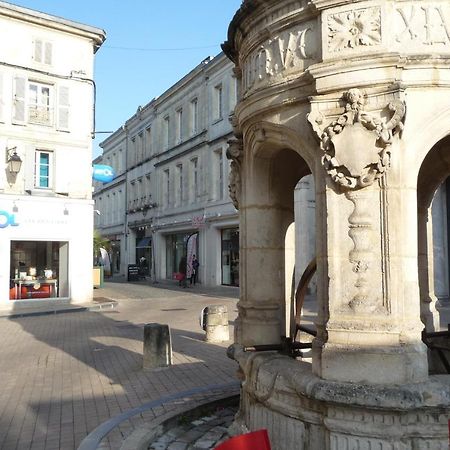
[(230, 257), (38, 269), (43, 174)]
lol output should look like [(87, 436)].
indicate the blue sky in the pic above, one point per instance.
[(150, 45)]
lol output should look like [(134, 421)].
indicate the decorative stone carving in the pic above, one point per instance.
[(361, 256), (235, 153), (354, 28), (356, 144)]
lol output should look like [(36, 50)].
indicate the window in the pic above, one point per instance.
[(39, 108), (166, 131), (166, 199), (43, 169), (179, 184), (39, 269), (179, 125), (148, 142), (140, 147), (194, 117), (138, 192), (42, 51), (132, 197), (132, 157), (218, 102), (39, 103), (194, 184), (148, 188), (219, 174)]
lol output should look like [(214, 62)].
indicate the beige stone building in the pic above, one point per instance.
[(172, 183), (356, 95)]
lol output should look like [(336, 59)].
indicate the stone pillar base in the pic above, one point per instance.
[(382, 365), (303, 411)]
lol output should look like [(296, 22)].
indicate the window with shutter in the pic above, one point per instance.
[(43, 51), (48, 53), (38, 50), (19, 100), (63, 108)]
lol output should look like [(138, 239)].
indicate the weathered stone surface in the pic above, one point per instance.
[(157, 346), (217, 329), (367, 114)]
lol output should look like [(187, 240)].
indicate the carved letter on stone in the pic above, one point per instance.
[(355, 145), (355, 28), (235, 152)]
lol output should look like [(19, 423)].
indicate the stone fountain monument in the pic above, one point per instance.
[(357, 94)]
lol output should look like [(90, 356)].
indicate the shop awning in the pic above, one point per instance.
[(144, 242)]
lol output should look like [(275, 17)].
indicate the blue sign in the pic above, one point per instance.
[(103, 173), (7, 219)]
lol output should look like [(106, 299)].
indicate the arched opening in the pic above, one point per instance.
[(279, 226), (433, 196)]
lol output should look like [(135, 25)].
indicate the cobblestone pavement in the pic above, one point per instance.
[(64, 374), (203, 433)]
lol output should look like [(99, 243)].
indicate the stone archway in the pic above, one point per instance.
[(434, 171), (266, 181)]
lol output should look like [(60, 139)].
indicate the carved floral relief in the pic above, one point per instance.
[(356, 144), (355, 28)]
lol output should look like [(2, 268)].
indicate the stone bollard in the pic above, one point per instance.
[(157, 346), (215, 323)]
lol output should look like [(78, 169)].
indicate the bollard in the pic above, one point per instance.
[(215, 323), (157, 346)]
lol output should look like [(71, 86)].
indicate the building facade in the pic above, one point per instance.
[(172, 180), (46, 123)]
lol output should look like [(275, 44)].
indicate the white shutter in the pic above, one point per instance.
[(2, 99), (19, 100), (48, 53), (38, 50), (29, 161), (63, 108)]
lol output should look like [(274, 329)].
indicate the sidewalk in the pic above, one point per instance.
[(63, 375)]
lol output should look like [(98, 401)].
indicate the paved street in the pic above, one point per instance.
[(64, 374)]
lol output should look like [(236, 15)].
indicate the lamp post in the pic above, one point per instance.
[(13, 160)]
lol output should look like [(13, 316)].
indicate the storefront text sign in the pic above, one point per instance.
[(6, 219)]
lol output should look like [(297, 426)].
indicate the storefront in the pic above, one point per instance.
[(144, 254), (230, 256), (177, 248), (49, 246)]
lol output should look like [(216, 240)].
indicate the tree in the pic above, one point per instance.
[(99, 242)]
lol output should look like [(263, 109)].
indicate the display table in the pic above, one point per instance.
[(48, 288)]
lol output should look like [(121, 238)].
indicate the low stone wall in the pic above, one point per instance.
[(302, 411)]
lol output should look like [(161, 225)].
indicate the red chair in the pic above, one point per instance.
[(256, 440)]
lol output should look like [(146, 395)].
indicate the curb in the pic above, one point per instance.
[(16, 315), (93, 439)]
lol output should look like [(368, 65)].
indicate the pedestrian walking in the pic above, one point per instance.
[(182, 271), (195, 265)]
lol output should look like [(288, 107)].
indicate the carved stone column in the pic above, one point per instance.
[(371, 331)]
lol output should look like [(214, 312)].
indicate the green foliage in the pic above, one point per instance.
[(99, 242)]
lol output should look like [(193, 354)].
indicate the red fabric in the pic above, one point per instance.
[(256, 440), (178, 276)]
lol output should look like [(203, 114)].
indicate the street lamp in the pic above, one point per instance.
[(14, 161)]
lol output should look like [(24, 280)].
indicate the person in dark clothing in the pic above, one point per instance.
[(195, 265), (182, 270)]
